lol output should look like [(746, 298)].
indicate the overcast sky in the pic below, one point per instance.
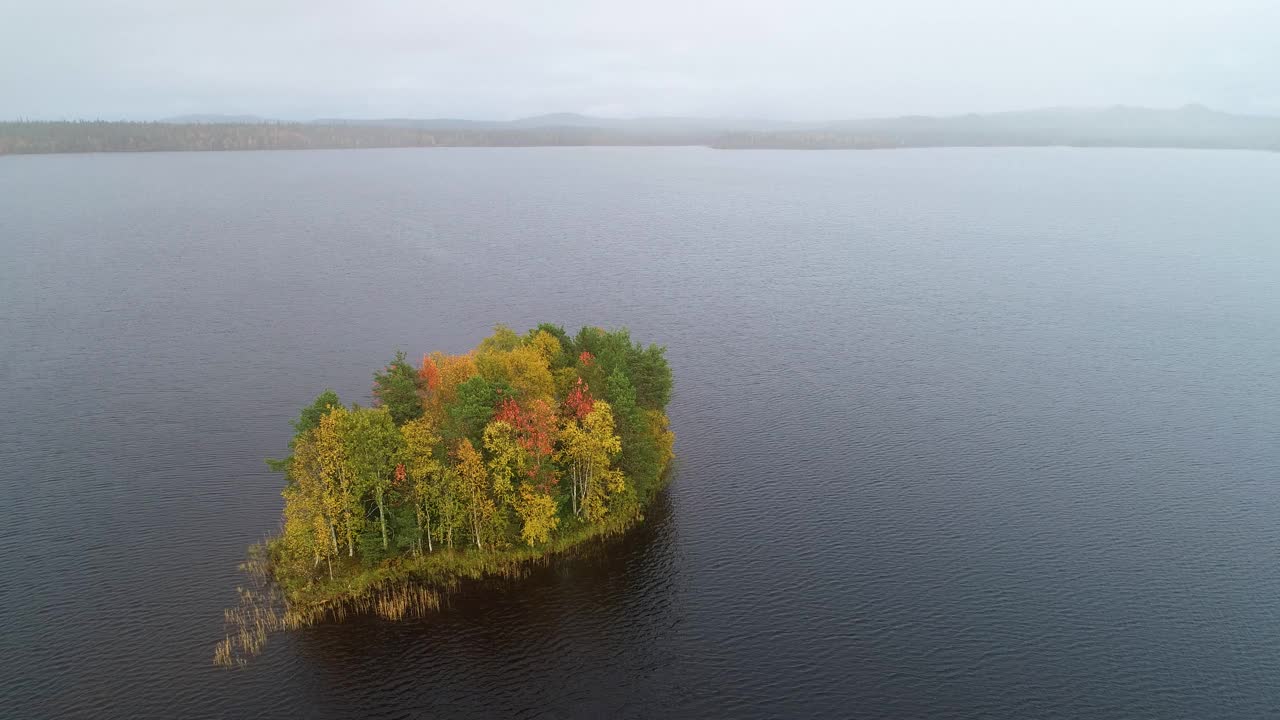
[(793, 59)]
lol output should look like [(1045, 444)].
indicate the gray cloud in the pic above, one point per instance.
[(803, 59)]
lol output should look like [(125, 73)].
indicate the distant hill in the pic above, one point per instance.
[(411, 123), (99, 136), (677, 126), (216, 119), (1193, 126)]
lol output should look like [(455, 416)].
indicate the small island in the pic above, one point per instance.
[(465, 467)]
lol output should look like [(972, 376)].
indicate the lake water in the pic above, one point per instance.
[(961, 433)]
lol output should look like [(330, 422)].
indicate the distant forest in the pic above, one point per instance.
[(101, 136), (1192, 126)]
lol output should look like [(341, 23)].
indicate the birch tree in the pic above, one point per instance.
[(588, 448), (474, 482), (373, 445), (423, 470)]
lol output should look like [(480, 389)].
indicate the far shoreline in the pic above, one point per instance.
[(718, 148), (1191, 127)]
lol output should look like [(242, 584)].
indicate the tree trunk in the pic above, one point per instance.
[(574, 491), (382, 520), (579, 489), (418, 546), (429, 548)]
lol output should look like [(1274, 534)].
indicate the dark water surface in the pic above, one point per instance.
[(961, 433)]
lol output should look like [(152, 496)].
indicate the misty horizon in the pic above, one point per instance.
[(806, 62), (214, 116)]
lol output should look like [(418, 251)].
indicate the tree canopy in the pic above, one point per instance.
[(523, 442)]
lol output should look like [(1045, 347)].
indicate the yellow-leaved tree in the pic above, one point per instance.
[(474, 482), (342, 501), (423, 471), (308, 530), (515, 470), (506, 460), (663, 439), (588, 448), (537, 511)]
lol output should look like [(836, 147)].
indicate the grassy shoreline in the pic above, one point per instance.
[(395, 589)]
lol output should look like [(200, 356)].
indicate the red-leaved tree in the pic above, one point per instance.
[(579, 402)]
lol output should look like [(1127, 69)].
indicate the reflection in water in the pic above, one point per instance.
[(612, 603)]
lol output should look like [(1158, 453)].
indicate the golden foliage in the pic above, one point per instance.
[(546, 345), (506, 459), (537, 510), (452, 371), (475, 488), (589, 448), (663, 439)]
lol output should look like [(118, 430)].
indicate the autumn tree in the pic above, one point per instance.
[(660, 436), (445, 373), (538, 514), (526, 370), (422, 466), (474, 483), (342, 501), (578, 403), (535, 428), (520, 443), (562, 339), (507, 461), (588, 449), (549, 345), (503, 339), (309, 523), (450, 503)]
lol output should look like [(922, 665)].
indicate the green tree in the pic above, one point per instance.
[(651, 376), (396, 388), (639, 459), (450, 506), (474, 407), (621, 395), (308, 419), (374, 447)]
